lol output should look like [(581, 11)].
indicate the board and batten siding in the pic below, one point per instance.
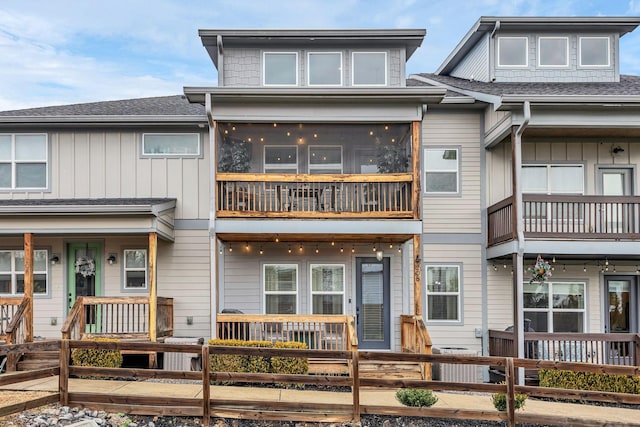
[(458, 334), (241, 277), (109, 165), (455, 213), (475, 64)]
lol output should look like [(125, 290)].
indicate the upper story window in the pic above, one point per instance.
[(369, 69), (513, 51), (324, 69), (325, 159), (553, 179), (135, 269), (280, 69), (442, 170), (553, 52), (280, 159), (23, 161), (594, 51), (12, 272), (171, 144)]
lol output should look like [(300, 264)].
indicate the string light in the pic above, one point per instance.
[(333, 243), (261, 251), (277, 239), (317, 250), (353, 249), (246, 246), (584, 268), (300, 248), (341, 249), (289, 249), (230, 247)]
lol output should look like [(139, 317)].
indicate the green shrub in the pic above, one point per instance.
[(499, 401), (416, 397), (239, 362), (95, 357), (589, 381), (290, 365)]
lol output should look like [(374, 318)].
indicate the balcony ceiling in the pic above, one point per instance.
[(296, 238)]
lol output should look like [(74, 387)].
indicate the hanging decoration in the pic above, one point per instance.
[(541, 271), (85, 266)]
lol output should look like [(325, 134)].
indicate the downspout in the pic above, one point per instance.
[(526, 107), (220, 47), (492, 67), (213, 246)]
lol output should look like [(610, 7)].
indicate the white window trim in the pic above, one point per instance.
[(580, 52), (526, 57), (458, 294), (264, 63), (14, 162), (277, 166), (309, 54), (171, 155), (265, 292), (565, 65), (458, 150), (386, 68), (321, 167), (551, 165), (14, 274), (550, 309), (344, 285), (125, 269)]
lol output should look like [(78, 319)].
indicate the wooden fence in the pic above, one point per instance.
[(221, 405)]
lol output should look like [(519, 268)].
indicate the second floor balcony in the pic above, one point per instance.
[(567, 217), (315, 170)]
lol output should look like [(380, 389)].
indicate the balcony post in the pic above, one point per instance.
[(28, 285), (415, 169), (153, 292), (417, 275)]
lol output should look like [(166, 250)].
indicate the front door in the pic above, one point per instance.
[(372, 303), (84, 272), (616, 182), (621, 315)]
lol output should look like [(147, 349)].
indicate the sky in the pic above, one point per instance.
[(56, 52)]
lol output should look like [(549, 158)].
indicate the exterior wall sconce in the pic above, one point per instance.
[(55, 258), (112, 259), (617, 149)]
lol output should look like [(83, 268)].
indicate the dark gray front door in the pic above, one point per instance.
[(372, 303)]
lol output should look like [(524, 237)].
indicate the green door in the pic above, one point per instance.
[(84, 272)]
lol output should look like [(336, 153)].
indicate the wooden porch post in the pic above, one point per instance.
[(417, 275), (153, 292), (28, 285), (415, 168)]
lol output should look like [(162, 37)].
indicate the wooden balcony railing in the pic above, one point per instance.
[(609, 349), (320, 196), (319, 332), (414, 338), (567, 217), (13, 320), (120, 317)]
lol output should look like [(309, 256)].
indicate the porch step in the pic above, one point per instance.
[(38, 360)]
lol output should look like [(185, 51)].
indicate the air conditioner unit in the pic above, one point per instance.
[(458, 373), (180, 361)]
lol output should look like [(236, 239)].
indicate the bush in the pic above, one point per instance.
[(95, 357), (416, 397), (499, 401), (589, 381), (290, 365), (239, 362)]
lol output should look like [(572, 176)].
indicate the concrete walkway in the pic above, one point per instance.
[(480, 402)]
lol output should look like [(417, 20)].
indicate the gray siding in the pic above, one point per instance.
[(108, 164), (458, 213), (475, 65), (572, 73), (243, 67)]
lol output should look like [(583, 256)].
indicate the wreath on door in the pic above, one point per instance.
[(85, 266)]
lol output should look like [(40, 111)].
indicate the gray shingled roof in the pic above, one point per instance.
[(628, 85), (176, 105)]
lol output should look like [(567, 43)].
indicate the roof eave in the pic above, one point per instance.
[(102, 120), (508, 101)]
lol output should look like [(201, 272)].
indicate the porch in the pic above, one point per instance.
[(566, 217)]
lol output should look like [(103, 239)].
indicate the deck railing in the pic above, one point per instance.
[(8, 308), (318, 195), (319, 332), (574, 217), (414, 338), (16, 329), (604, 348), (121, 317)]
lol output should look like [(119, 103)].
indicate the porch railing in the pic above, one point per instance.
[(318, 195), (13, 322), (574, 217), (414, 338), (603, 348), (319, 332), (121, 317)]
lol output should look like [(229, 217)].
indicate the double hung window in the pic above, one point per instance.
[(280, 159), (135, 269), (12, 272), (23, 161), (443, 293), (555, 306), (327, 288), (325, 159), (280, 288), (442, 170)]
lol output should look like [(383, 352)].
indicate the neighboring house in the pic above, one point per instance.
[(557, 172), (316, 180)]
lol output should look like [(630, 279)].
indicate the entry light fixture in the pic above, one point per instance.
[(112, 259), (617, 149), (55, 258)]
